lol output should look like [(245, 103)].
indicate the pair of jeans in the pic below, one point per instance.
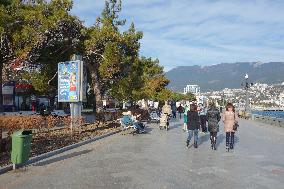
[(174, 114), (230, 139), (213, 135), (203, 120), (192, 132), (138, 126)]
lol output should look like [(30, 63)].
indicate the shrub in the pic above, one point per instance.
[(13, 123)]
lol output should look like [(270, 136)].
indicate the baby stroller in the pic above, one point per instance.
[(154, 116), (165, 121), (128, 122)]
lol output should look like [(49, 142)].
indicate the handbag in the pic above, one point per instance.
[(236, 125)]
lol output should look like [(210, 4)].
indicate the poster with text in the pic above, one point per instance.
[(69, 79)]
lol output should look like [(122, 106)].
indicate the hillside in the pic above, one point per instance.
[(225, 75)]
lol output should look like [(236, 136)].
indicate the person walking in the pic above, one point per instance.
[(186, 109), (180, 110), (193, 124), (166, 109), (174, 111), (203, 120), (213, 118), (165, 116), (230, 118)]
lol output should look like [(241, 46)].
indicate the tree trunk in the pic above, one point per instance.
[(1, 96), (98, 103), (1, 100)]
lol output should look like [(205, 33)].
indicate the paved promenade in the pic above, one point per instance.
[(160, 160)]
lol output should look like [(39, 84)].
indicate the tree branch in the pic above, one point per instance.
[(52, 78)]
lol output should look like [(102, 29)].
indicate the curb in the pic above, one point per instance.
[(55, 152)]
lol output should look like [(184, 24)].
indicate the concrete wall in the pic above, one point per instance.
[(268, 120)]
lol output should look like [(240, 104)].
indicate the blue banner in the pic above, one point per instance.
[(69, 78)]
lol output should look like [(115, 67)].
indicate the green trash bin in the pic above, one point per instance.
[(21, 146)]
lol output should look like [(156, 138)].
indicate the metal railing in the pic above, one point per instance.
[(268, 120)]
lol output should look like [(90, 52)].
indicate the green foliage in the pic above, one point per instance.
[(38, 80), (190, 97), (115, 55), (179, 96), (38, 31), (112, 58), (26, 25), (144, 81), (44, 32), (163, 95)]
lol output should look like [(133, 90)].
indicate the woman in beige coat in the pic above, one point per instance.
[(230, 118)]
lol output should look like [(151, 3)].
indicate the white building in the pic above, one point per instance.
[(259, 87), (228, 92), (195, 89), (281, 99)]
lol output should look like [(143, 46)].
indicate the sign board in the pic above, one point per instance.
[(8, 92), (72, 81), (69, 81)]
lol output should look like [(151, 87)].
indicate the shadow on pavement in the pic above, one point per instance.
[(148, 130), (220, 139), (236, 139), (175, 126), (60, 158), (204, 138)]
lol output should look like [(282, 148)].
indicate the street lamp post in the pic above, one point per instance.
[(247, 85), (223, 100), (247, 97)]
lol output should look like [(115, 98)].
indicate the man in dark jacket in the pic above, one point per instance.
[(174, 111), (180, 110), (193, 124), (213, 118)]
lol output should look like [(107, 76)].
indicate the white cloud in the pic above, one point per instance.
[(186, 32)]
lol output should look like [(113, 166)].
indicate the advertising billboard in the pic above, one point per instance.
[(69, 81)]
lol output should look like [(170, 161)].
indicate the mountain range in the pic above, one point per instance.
[(225, 75)]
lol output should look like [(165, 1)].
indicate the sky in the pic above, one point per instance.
[(201, 32)]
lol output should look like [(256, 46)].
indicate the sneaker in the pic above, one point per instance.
[(142, 131), (214, 146), (195, 145), (227, 148), (187, 143)]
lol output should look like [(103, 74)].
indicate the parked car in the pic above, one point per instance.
[(59, 113)]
